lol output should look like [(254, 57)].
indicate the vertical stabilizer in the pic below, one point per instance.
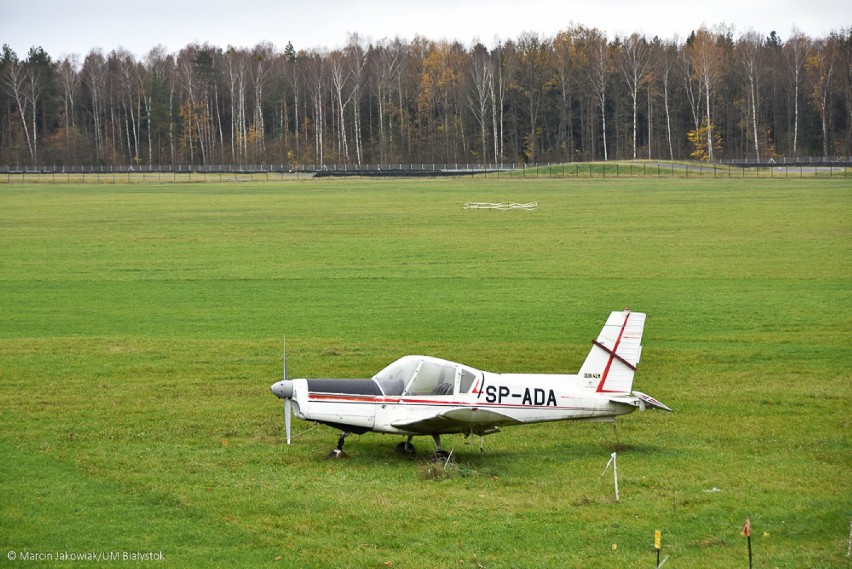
[(611, 364)]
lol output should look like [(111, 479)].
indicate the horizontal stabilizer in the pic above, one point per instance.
[(651, 401), (640, 400)]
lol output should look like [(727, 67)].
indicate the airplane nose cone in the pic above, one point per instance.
[(283, 389)]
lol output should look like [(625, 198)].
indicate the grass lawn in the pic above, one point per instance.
[(141, 326)]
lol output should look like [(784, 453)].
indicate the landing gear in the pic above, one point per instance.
[(481, 441), (440, 454), (406, 448), (338, 451)]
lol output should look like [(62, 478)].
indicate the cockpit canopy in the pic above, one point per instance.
[(423, 375)]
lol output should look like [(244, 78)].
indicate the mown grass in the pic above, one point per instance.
[(141, 325)]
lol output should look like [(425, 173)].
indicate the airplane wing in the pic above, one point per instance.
[(465, 420)]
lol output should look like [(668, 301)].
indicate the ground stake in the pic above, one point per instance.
[(614, 464), (657, 546), (747, 533)]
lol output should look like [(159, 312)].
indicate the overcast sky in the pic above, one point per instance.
[(64, 27)]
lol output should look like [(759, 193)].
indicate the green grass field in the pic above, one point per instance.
[(141, 326)]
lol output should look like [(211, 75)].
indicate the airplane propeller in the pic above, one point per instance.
[(284, 390)]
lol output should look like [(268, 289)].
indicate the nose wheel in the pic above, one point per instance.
[(338, 451)]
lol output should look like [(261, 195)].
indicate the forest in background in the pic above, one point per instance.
[(577, 96)]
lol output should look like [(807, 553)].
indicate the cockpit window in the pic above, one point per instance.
[(393, 378), (466, 380), (433, 379)]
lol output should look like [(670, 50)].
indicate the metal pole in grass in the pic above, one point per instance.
[(849, 541), (747, 533)]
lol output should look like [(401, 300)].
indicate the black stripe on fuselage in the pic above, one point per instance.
[(347, 386)]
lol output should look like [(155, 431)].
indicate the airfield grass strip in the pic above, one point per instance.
[(141, 327)]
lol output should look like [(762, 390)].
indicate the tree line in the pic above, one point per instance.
[(576, 96)]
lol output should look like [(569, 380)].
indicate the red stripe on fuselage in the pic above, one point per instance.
[(350, 398), (371, 399)]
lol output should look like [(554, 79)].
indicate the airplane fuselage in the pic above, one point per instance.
[(493, 401)]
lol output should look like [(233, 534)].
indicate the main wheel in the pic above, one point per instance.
[(439, 456)]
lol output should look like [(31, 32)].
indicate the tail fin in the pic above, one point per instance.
[(610, 366)]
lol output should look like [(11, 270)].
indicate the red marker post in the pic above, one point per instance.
[(747, 533)]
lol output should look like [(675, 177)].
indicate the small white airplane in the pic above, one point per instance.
[(422, 395)]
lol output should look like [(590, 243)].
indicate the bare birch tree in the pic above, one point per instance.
[(316, 77), (16, 81), (666, 60), (94, 74), (341, 73), (598, 57), (566, 62), (706, 59), (479, 93), (357, 58), (633, 62), (820, 68), (263, 56), (796, 55), (498, 101), (387, 57), (69, 81), (749, 50)]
